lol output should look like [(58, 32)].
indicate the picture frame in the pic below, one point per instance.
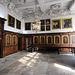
[(35, 40), (11, 21), (29, 41), (48, 28), (65, 39), (48, 22), (14, 40), (28, 26), (18, 24), (42, 22), (42, 39), (49, 39), (42, 28), (8, 39), (67, 23), (56, 39), (56, 24), (72, 39)]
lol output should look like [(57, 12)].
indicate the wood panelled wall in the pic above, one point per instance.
[(2, 21), (10, 43), (23, 42), (66, 41)]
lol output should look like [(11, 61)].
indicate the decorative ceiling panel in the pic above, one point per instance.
[(44, 7)]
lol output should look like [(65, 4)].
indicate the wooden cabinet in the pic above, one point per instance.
[(42, 39), (2, 21), (55, 39), (35, 40), (49, 39)]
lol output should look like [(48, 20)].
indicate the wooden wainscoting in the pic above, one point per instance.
[(65, 41), (10, 43), (65, 49)]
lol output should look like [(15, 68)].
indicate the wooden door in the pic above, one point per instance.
[(19, 43)]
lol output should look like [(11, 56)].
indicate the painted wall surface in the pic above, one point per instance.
[(55, 30), (4, 14)]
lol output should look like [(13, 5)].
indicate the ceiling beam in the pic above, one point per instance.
[(20, 6), (55, 2), (24, 7), (71, 5), (41, 4)]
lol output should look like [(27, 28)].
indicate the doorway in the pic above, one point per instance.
[(1, 48), (19, 44)]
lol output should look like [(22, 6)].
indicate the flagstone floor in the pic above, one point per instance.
[(27, 63)]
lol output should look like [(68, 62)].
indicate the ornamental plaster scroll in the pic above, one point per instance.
[(22, 1), (56, 6), (6, 1), (29, 10), (11, 7), (58, 12)]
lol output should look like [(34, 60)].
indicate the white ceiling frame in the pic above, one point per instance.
[(41, 4), (24, 7), (72, 5), (20, 6), (55, 2)]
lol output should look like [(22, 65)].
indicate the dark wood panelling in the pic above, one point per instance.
[(13, 46), (2, 21), (66, 41), (63, 46), (56, 42), (66, 49), (10, 49)]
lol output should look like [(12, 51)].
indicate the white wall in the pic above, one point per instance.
[(4, 14), (55, 30), (2, 11)]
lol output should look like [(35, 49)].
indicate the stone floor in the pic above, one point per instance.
[(26, 63)]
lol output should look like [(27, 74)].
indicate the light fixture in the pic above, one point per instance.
[(36, 23)]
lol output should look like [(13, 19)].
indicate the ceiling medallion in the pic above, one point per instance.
[(58, 12), (6, 1), (23, 1), (64, 12), (56, 6), (29, 10)]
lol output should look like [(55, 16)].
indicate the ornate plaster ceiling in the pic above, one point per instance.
[(44, 7)]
